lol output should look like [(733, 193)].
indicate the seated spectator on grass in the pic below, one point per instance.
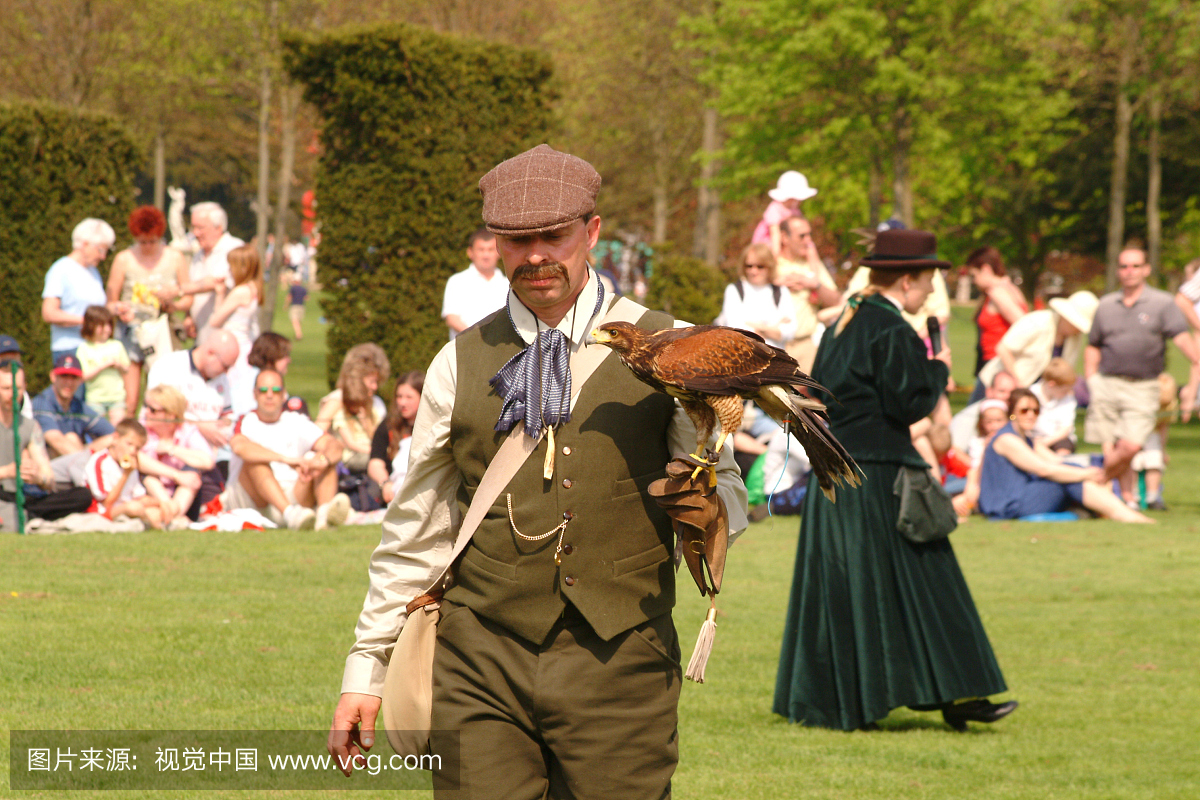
[(1017, 480), (284, 463), (10, 350), (104, 362), (113, 477), (199, 374), (391, 442), (272, 351), (179, 448), (353, 410), (69, 425), (962, 425), (993, 415), (40, 495), (1056, 392)]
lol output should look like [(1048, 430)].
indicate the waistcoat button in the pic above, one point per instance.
[(566, 450), (568, 549), (566, 483), (569, 581)]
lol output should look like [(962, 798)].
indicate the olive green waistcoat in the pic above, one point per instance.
[(616, 565)]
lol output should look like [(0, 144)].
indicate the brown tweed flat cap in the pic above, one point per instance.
[(537, 191)]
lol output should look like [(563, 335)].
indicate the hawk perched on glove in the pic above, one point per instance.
[(710, 369)]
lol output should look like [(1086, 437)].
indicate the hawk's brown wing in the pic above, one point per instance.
[(721, 361)]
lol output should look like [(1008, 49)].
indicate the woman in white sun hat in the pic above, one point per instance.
[(790, 191), (1028, 346)]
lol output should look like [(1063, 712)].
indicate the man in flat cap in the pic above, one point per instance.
[(557, 661)]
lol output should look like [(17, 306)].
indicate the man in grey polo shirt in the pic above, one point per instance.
[(1123, 359)]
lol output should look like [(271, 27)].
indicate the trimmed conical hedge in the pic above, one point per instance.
[(411, 120), (57, 168)]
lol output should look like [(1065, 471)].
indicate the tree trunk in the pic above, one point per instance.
[(875, 193), (706, 242), (1154, 190), (902, 198), (262, 210), (289, 102), (160, 171), (662, 182), (262, 204), (1120, 163)]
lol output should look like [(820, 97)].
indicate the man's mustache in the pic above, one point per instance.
[(547, 269)]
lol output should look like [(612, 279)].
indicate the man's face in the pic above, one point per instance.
[(268, 393), (483, 254), (213, 360), (547, 270), (65, 387), (206, 231), (795, 236), (1002, 386), (1132, 269), (6, 388)]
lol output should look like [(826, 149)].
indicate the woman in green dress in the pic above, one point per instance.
[(876, 621)]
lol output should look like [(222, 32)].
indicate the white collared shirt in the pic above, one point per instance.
[(422, 520), (472, 296)]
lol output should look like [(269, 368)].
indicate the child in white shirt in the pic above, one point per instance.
[(113, 477), (1055, 426)]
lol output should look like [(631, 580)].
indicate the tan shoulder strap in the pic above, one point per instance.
[(517, 447)]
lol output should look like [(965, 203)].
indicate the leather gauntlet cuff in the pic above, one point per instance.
[(700, 521)]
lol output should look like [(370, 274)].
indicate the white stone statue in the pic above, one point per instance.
[(179, 237)]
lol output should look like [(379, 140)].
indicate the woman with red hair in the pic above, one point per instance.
[(142, 278)]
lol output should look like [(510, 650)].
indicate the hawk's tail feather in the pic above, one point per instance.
[(831, 463)]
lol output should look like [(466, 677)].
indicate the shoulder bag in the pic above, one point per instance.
[(926, 513)]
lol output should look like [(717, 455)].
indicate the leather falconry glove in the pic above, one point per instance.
[(700, 521)]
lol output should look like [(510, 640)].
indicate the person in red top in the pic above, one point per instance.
[(1000, 305)]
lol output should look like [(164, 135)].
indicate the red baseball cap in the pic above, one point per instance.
[(67, 365)]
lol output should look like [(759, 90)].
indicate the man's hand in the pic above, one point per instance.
[(189, 327), (353, 730)]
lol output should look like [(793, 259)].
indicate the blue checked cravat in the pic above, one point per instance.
[(536, 382)]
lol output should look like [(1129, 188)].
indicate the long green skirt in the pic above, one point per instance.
[(876, 622)]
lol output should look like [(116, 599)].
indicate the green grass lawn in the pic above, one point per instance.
[(1094, 623)]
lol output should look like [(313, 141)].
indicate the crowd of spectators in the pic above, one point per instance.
[(1027, 390), (138, 422)]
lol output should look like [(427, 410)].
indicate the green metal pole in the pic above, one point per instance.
[(16, 424)]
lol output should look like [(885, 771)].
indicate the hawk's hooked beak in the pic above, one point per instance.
[(599, 337)]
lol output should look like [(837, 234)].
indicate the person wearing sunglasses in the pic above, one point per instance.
[(283, 462), (1018, 479), (181, 469), (755, 303)]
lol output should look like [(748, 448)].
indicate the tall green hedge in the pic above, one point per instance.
[(685, 287), (57, 167), (411, 120)]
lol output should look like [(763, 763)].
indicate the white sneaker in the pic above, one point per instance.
[(333, 513), (275, 515), (299, 518)]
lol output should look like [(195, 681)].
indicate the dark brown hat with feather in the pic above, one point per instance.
[(905, 250)]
